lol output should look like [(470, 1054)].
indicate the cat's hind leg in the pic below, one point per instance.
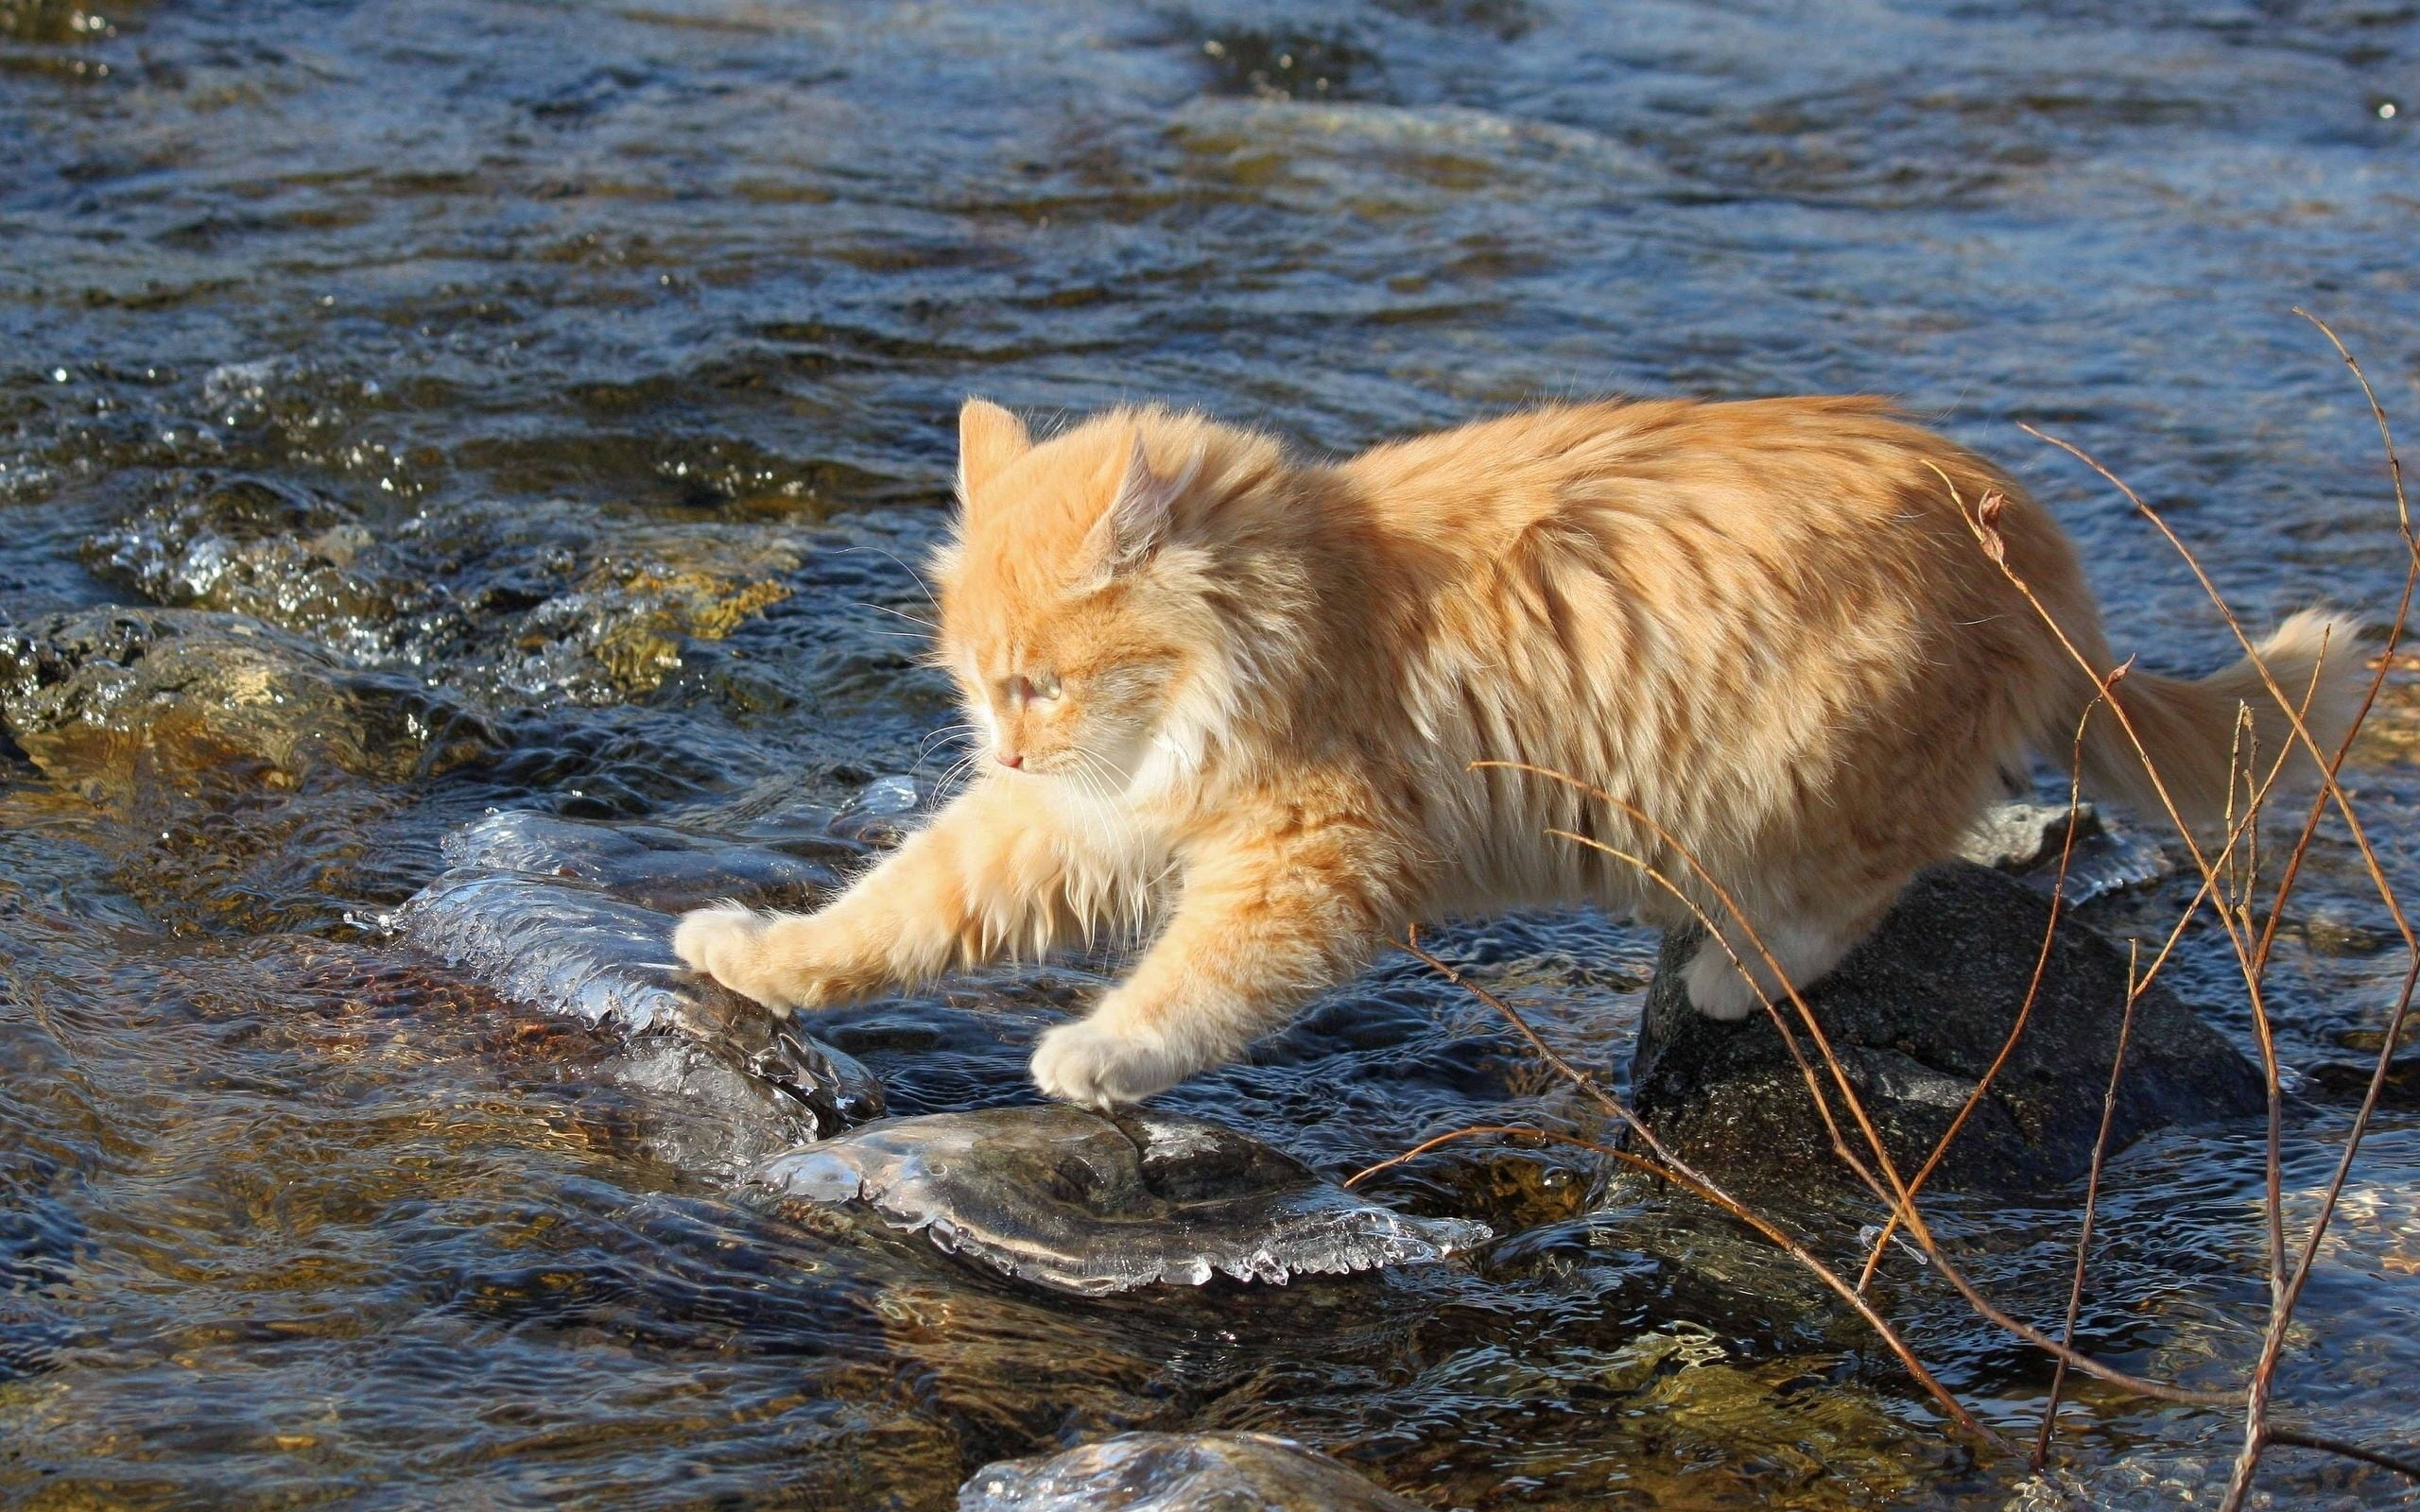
[(1803, 944)]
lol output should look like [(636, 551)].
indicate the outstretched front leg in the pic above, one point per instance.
[(988, 877), (1264, 922)]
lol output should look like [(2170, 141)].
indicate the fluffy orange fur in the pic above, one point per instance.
[(1232, 701)]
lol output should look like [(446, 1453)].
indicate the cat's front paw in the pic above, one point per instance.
[(728, 944), (1093, 1065)]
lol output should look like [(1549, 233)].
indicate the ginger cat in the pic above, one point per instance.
[(1234, 698)]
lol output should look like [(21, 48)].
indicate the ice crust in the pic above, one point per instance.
[(577, 919), (1094, 1204), (526, 909)]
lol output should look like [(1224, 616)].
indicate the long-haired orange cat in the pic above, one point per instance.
[(1235, 700)]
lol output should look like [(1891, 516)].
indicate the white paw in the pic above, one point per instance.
[(728, 944), (1716, 987), (1093, 1065)]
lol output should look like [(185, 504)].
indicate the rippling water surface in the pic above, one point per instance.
[(528, 406)]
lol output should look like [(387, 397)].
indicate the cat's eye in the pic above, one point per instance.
[(1045, 687)]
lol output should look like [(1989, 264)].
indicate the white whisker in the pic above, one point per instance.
[(897, 614), (924, 587)]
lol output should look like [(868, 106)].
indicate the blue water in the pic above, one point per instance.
[(580, 375)]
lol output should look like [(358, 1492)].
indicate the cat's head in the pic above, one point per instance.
[(1076, 609)]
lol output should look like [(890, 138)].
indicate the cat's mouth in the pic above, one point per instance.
[(1077, 768)]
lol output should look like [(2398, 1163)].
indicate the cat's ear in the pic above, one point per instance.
[(989, 438), (1138, 515)]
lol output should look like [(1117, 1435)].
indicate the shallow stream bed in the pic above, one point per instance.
[(438, 407)]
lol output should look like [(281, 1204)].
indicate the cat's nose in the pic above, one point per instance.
[(1010, 758)]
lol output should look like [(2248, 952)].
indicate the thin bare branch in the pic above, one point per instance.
[(2091, 1203), (2254, 954), (1671, 1168), (2400, 1463), (2032, 989), (1898, 1189)]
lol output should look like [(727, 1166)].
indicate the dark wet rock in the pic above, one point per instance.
[(1916, 1015), (2348, 1081), (1091, 1203), (2325, 936), (47, 21), (1507, 20), (1287, 65), (1178, 1472), (1407, 158), (91, 696), (542, 910), (2026, 840)]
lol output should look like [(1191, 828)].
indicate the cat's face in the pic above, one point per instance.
[(1070, 689), (1067, 643)]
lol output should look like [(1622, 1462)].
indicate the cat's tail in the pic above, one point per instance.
[(2205, 758)]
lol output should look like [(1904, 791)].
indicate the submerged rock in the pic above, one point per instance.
[(290, 558), (1091, 1203), (533, 907), (551, 600), (1916, 1015), (1178, 1472), (96, 695)]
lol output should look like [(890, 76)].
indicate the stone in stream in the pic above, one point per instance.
[(533, 906), (96, 697), (1916, 1014), (1092, 1204), (549, 599), (1178, 1472)]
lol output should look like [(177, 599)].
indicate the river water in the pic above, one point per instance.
[(562, 391)]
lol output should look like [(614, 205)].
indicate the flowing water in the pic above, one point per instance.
[(525, 406)]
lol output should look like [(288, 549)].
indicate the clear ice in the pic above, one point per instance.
[(530, 906), (1094, 1204), (577, 919)]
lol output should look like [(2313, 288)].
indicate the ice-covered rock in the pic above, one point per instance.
[(1178, 1472), (880, 813), (534, 907), (1090, 1203), (2025, 840), (577, 917), (655, 866)]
